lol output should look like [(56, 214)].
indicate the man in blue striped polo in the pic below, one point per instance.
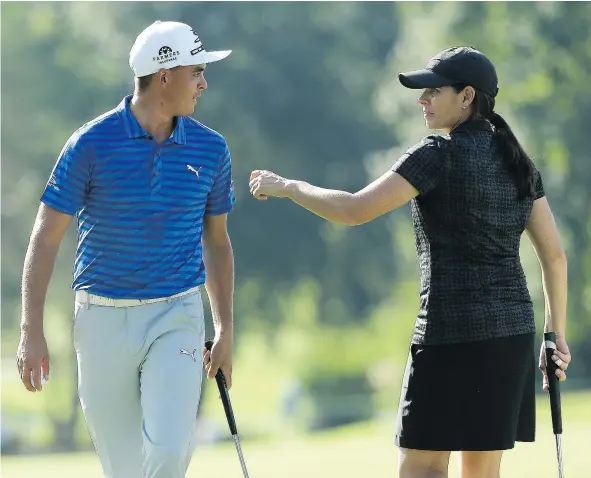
[(150, 189)]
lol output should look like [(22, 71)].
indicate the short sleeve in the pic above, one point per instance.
[(538, 186), (68, 183), (221, 198), (423, 164)]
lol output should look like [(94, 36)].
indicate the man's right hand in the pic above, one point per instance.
[(32, 356)]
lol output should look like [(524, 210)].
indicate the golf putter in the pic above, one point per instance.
[(554, 390), (225, 396)]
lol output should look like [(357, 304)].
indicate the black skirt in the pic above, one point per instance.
[(476, 396)]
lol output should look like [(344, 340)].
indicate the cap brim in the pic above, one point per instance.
[(209, 57), (423, 79)]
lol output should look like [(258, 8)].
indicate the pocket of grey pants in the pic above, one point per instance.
[(193, 307)]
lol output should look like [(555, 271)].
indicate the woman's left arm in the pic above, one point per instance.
[(388, 192)]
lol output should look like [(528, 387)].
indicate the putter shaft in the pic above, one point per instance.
[(241, 456), (225, 396), (559, 454)]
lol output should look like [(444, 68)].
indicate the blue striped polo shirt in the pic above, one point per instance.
[(140, 205)]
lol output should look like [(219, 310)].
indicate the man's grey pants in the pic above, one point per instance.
[(139, 381)]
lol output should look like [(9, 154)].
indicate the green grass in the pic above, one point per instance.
[(357, 451)]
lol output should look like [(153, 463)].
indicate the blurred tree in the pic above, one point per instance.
[(310, 92), (294, 95)]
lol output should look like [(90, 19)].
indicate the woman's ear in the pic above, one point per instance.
[(468, 96)]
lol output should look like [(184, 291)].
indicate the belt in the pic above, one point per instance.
[(84, 297)]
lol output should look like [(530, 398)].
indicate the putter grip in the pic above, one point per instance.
[(553, 382), (225, 396)]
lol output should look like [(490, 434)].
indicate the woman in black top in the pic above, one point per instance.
[(470, 376)]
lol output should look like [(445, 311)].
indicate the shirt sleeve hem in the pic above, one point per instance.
[(414, 182), (58, 207), (219, 212)]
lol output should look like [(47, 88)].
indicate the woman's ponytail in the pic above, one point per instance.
[(518, 162)]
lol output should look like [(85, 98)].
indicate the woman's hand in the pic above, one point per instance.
[(561, 358), (266, 183)]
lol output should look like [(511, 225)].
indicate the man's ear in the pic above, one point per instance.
[(163, 77)]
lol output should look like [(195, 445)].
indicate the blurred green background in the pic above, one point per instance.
[(324, 313)]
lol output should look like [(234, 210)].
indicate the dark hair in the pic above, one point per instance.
[(144, 82), (517, 161)]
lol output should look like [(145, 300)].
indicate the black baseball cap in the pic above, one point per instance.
[(462, 64)]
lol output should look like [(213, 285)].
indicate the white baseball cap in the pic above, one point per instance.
[(169, 44)]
